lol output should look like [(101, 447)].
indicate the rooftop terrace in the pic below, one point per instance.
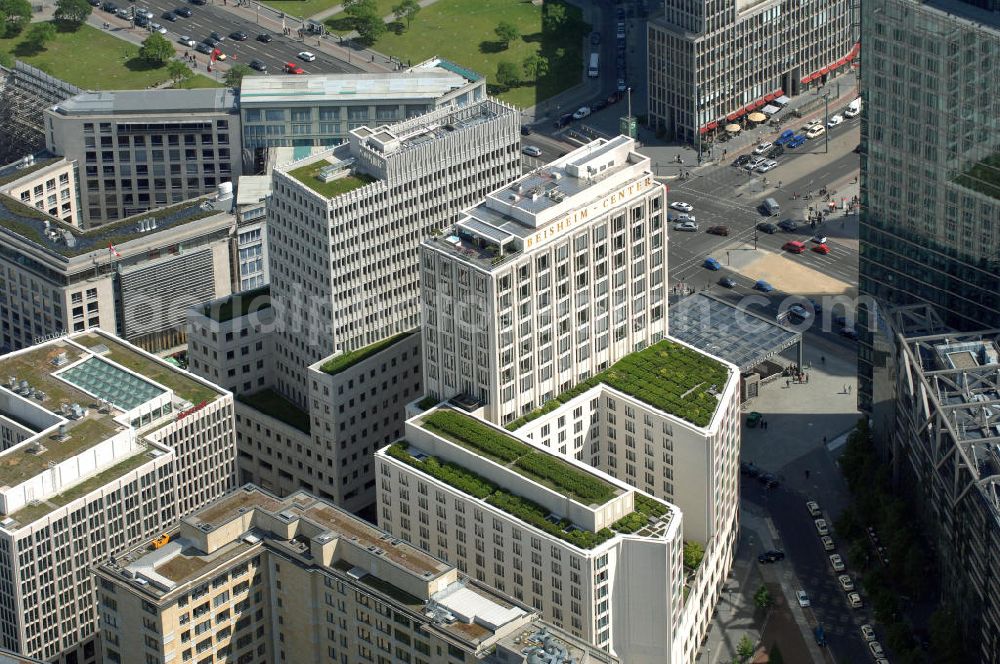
[(423, 84), (672, 378), (270, 402), (238, 304), (18, 170), (65, 240), (344, 361), (310, 176)]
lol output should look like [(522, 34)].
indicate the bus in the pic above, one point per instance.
[(594, 70)]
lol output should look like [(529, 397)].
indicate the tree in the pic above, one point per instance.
[(39, 34), (156, 49), (407, 9), (179, 72), (73, 11), (744, 649), (506, 33), (508, 74), (535, 67), (762, 598), (234, 77), (693, 554), (16, 15), (370, 29), (555, 15)]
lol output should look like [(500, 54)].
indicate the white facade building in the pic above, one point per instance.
[(547, 281), (104, 444)]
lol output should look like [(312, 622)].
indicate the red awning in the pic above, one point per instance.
[(823, 71), (759, 103), (748, 108), (854, 51), (779, 93), (712, 125), (769, 97), (809, 78), (735, 114), (703, 130)]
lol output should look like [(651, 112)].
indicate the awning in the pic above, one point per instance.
[(781, 99), (823, 72), (757, 117), (703, 130), (807, 79), (770, 110), (855, 51), (733, 128), (769, 97), (712, 125), (735, 114), (748, 108)]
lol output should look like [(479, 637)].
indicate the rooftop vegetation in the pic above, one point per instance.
[(526, 510), (668, 376), (309, 176), (342, 362), (239, 304), (520, 457), (273, 404), (27, 170)]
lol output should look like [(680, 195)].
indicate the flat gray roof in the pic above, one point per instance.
[(729, 332), (149, 102), (341, 88)]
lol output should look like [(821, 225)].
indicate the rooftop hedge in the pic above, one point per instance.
[(667, 375), (346, 360), (519, 457)]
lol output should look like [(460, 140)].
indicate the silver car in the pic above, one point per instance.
[(764, 167)]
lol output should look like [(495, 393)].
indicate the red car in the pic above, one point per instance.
[(821, 249), (292, 68), (794, 246)]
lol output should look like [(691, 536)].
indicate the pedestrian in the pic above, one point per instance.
[(824, 440), (849, 387), (807, 378), (788, 383), (186, 55), (845, 388)]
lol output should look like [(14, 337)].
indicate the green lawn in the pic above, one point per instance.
[(309, 176), (301, 8), (462, 31), (93, 60), (340, 23), (200, 81)]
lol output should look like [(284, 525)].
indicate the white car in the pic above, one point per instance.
[(818, 239), (876, 649), (532, 151), (867, 632), (682, 206), (156, 27), (686, 226), (802, 597), (834, 120), (766, 166), (852, 112), (762, 148), (837, 562), (754, 163), (684, 216), (854, 599), (187, 41), (581, 113), (821, 527), (307, 56), (813, 507), (144, 12), (846, 582), (816, 131), (828, 544)]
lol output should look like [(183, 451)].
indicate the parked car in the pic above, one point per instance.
[(747, 468), (307, 56), (525, 130), (788, 225), (762, 147), (771, 557), (532, 151), (822, 527), (763, 286), (598, 105), (799, 312), (123, 13), (95, 3), (846, 582), (867, 632), (581, 113), (239, 35), (217, 37), (768, 480), (754, 162), (854, 599), (142, 11), (767, 165), (258, 65), (682, 206), (727, 282), (718, 230), (741, 160), (156, 27), (265, 38), (797, 141), (688, 226), (753, 419), (834, 120), (563, 120), (816, 131), (813, 507), (187, 41), (786, 136), (293, 68), (595, 38), (794, 247), (837, 562), (767, 227), (712, 264), (202, 47), (802, 597), (210, 42), (828, 544), (821, 249), (820, 635), (183, 11), (876, 649), (850, 333), (141, 21), (684, 216), (776, 151)]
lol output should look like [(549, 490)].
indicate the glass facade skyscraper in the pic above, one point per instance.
[(930, 167)]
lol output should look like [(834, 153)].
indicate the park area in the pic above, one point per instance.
[(465, 32), (93, 60)]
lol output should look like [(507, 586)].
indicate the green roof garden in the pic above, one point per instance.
[(272, 404), (19, 173), (238, 305), (521, 458), (983, 176), (309, 176), (648, 511), (344, 361), (668, 376)]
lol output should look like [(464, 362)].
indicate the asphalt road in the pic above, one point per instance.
[(208, 18)]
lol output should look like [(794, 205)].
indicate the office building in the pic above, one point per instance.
[(45, 182), (255, 578), (344, 227), (709, 63), (547, 281), (251, 232), (103, 444), (312, 110), (604, 559), (145, 149), (136, 277), (930, 175), (938, 427)]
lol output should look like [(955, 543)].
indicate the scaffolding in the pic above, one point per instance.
[(24, 92)]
